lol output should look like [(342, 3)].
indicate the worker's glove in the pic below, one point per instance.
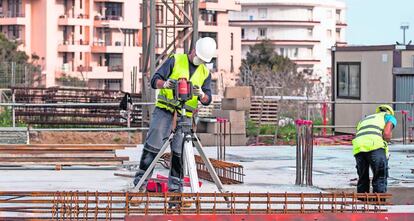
[(197, 91), (169, 84)]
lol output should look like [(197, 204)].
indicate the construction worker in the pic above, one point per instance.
[(191, 66), (370, 149)]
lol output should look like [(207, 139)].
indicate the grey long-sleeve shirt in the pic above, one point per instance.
[(166, 69)]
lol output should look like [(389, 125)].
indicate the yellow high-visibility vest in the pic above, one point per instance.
[(369, 134), (181, 69)]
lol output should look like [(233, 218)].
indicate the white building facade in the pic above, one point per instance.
[(302, 30)]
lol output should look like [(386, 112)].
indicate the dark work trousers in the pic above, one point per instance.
[(160, 129), (378, 162)]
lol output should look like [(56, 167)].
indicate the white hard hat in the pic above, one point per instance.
[(206, 49)]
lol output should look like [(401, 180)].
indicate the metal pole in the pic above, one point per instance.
[(195, 23), (13, 108)]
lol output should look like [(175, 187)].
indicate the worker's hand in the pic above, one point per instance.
[(169, 84), (197, 91)]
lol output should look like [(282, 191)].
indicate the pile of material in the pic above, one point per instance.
[(87, 115), (60, 155), (229, 126), (228, 173)]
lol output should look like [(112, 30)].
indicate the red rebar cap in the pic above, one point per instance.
[(404, 112), (299, 122)]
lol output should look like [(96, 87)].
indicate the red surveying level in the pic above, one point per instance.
[(183, 90)]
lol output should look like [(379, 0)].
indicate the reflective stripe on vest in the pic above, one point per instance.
[(369, 134), (181, 69)]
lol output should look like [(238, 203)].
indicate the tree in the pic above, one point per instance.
[(25, 69), (263, 67)]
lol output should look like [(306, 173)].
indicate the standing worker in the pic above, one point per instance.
[(371, 149), (193, 68)]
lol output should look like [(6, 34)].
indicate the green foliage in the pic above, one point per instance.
[(263, 68), (9, 52), (286, 133), (6, 119), (117, 139), (71, 81)]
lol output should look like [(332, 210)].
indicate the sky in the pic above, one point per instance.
[(376, 22)]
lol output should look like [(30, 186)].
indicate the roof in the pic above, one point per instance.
[(332, 3), (374, 48)]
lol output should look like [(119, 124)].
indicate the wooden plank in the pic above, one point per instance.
[(56, 155), (64, 159), (83, 163), (13, 151), (59, 147)]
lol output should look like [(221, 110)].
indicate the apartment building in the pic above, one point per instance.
[(96, 41), (99, 42), (303, 31)]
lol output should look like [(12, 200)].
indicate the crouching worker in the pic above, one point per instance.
[(370, 149), (178, 66)]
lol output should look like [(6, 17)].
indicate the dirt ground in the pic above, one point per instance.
[(85, 138)]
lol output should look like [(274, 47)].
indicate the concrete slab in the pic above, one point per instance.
[(267, 169)]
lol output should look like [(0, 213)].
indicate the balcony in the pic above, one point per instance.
[(105, 72), (82, 68), (79, 20), (282, 42), (74, 46), (102, 47), (120, 1), (341, 24), (13, 19), (309, 61), (246, 22), (220, 5)]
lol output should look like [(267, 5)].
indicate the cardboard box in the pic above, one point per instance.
[(237, 127), (238, 92), (231, 115), (208, 140), (240, 104)]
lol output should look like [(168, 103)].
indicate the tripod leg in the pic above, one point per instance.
[(209, 165), (154, 162), (191, 164)]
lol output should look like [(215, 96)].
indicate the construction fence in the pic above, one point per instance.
[(16, 74)]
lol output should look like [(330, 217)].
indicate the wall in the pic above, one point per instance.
[(376, 85)]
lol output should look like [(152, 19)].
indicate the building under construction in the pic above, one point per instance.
[(314, 178)]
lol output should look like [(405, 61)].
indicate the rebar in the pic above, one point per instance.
[(77, 205), (304, 152), (228, 173)]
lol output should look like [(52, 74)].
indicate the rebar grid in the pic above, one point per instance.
[(115, 205)]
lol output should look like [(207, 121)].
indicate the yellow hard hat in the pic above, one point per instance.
[(386, 108)]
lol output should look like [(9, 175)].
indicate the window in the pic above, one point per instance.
[(242, 33), (209, 17), (113, 10), (214, 86), (231, 41), (338, 34), (349, 80), (262, 13), (310, 14), (413, 61), (310, 32), (329, 33), (159, 41), (262, 32), (159, 14), (338, 16), (231, 64)]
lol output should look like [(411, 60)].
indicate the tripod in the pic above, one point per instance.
[(189, 138)]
